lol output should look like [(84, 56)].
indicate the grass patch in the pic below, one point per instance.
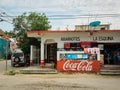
[(1, 59), (11, 72)]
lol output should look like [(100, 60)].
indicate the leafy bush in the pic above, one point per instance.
[(12, 72)]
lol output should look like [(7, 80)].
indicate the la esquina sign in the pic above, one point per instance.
[(78, 66)]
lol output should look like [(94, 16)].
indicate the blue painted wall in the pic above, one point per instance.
[(4, 44)]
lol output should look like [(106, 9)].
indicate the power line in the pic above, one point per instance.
[(60, 17), (1, 20), (5, 16), (69, 15)]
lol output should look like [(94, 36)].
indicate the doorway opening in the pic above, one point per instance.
[(51, 54), (112, 54)]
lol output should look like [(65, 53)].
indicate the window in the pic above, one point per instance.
[(103, 28)]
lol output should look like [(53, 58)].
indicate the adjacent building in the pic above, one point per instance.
[(88, 27), (4, 45)]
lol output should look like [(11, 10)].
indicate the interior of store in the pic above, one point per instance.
[(110, 52)]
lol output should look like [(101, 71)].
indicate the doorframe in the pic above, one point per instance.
[(46, 54)]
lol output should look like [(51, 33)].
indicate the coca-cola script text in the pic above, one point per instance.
[(78, 66)]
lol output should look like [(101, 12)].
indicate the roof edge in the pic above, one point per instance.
[(55, 31)]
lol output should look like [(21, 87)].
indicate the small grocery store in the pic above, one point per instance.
[(77, 51)]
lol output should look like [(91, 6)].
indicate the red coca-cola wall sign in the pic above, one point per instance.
[(78, 66)]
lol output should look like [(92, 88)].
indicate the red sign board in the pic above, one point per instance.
[(85, 44), (78, 66)]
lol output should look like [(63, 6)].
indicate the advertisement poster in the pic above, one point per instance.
[(78, 66), (80, 56), (92, 50)]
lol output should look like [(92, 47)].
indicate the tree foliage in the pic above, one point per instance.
[(9, 33), (27, 22), (33, 21)]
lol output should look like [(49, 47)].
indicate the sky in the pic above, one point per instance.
[(63, 13)]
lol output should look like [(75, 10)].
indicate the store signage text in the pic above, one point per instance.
[(78, 66), (103, 38), (70, 38), (92, 50)]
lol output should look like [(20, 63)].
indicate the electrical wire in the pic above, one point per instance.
[(9, 18)]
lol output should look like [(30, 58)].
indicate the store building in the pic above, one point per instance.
[(88, 27), (77, 51)]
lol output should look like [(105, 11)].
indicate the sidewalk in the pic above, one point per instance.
[(37, 70)]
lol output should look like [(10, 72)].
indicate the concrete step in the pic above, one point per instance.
[(110, 72), (110, 67), (34, 70), (118, 66)]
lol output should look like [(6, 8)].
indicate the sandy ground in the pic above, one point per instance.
[(61, 81)]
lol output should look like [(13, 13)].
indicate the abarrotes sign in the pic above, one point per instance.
[(70, 38)]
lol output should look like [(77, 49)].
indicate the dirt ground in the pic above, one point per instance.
[(61, 81)]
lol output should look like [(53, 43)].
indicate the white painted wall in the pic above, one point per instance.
[(33, 52), (84, 36)]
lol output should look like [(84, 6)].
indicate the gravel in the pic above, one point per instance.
[(60, 81)]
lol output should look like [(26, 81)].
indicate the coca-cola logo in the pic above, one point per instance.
[(78, 66)]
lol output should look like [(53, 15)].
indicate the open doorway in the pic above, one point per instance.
[(35, 55), (111, 54), (51, 54)]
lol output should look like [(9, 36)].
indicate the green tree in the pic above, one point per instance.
[(28, 22), (33, 21), (10, 33)]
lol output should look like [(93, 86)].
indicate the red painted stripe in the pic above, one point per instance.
[(64, 31)]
